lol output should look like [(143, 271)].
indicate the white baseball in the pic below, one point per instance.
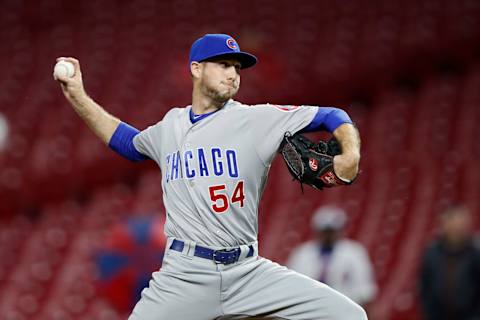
[(64, 69)]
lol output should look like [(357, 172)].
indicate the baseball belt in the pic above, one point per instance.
[(224, 256)]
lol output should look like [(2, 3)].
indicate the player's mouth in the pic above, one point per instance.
[(231, 84)]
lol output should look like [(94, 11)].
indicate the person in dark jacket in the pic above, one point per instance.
[(450, 271)]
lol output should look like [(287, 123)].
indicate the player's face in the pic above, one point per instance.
[(220, 79), (456, 226)]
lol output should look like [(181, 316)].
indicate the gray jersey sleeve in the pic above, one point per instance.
[(268, 124), (147, 141)]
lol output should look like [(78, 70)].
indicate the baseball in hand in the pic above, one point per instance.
[(64, 69)]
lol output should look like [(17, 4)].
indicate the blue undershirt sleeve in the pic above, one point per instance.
[(122, 142), (327, 118)]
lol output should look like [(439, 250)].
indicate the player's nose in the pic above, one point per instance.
[(231, 72)]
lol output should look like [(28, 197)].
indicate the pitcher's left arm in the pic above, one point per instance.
[(346, 163)]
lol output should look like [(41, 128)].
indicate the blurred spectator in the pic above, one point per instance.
[(450, 273), (341, 263), (130, 252)]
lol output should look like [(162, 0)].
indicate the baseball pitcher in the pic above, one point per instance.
[(214, 156)]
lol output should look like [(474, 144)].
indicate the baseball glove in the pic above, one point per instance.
[(311, 163)]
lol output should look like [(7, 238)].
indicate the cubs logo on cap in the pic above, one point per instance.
[(220, 45), (231, 43)]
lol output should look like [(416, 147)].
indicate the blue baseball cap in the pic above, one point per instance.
[(220, 45)]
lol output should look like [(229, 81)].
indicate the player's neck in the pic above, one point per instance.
[(202, 104)]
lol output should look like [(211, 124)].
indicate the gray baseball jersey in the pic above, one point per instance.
[(213, 175), (214, 171)]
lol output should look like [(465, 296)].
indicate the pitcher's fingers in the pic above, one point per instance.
[(75, 62), (69, 59)]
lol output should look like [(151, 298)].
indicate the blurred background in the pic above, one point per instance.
[(76, 219)]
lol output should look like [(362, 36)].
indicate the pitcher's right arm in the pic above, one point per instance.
[(113, 132)]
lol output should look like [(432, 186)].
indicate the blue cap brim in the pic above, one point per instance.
[(247, 60)]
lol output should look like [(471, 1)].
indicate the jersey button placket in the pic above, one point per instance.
[(186, 147)]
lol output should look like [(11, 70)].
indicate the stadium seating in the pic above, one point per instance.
[(61, 188)]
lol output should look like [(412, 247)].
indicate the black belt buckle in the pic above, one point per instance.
[(225, 256)]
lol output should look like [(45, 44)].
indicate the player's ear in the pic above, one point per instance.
[(195, 69)]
